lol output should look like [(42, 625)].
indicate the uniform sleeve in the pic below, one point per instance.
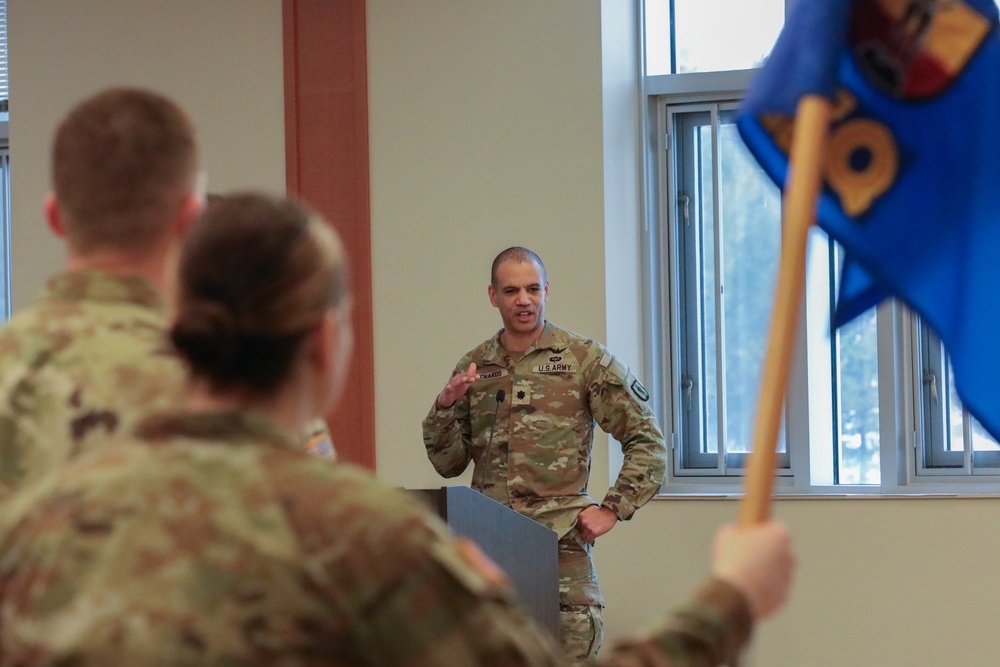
[(620, 405), (709, 631), (448, 436), (406, 591), (468, 613)]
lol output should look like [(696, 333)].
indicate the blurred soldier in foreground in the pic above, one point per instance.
[(215, 539), (83, 361)]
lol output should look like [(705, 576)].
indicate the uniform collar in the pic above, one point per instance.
[(97, 285), (493, 350), (551, 338), (229, 427)]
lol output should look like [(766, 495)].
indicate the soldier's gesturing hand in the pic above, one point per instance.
[(456, 388)]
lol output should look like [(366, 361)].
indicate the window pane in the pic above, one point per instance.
[(728, 217), (948, 427), (708, 289), (751, 248), (657, 36), (957, 416), (857, 415), (4, 234), (955, 433), (3, 56), (943, 428), (714, 35), (981, 440)]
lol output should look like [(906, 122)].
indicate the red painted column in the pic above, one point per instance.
[(326, 152)]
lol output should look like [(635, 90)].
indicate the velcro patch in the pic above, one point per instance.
[(321, 446), (482, 563), (492, 375), (639, 391), (557, 367), (521, 394)]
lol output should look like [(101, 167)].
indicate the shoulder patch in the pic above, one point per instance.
[(482, 563), (321, 446), (318, 442), (639, 391), (469, 565), (606, 359)]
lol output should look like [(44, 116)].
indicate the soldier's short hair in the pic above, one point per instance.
[(257, 275), (123, 161), (515, 254)]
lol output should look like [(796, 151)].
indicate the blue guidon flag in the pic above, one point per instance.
[(911, 174)]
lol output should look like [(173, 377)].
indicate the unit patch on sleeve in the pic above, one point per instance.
[(639, 391)]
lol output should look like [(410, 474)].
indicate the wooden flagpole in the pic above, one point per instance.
[(812, 120)]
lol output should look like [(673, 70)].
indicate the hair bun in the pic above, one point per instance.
[(205, 333)]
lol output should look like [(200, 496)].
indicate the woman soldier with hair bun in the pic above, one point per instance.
[(213, 538)]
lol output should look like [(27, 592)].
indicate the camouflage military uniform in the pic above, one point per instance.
[(212, 541), (709, 631), (216, 540), (78, 366), (539, 460)]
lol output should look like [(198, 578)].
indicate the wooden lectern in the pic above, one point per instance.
[(527, 551)]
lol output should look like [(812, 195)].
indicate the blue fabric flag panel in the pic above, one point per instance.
[(911, 175)]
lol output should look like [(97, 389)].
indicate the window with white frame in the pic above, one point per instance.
[(4, 171), (871, 408)]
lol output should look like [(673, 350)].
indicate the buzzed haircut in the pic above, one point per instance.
[(123, 161), (517, 254)]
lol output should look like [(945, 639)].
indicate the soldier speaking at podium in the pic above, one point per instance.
[(522, 407)]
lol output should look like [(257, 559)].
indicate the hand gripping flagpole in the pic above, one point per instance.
[(812, 120)]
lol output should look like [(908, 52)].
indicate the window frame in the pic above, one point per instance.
[(901, 340), (688, 311), (5, 210)]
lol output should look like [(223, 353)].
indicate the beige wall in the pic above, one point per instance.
[(221, 60), (485, 125), (486, 130), (490, 125)]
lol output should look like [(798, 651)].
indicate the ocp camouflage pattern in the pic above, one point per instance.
[(710, 630), (77, 368), (216, 540), (581, 602), (532, 451), (539, 460)]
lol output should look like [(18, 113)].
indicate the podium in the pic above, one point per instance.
[(527, 551)]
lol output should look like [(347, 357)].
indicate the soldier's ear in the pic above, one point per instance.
[(189, 213), (324, 342), (50, 207), (319, 353)]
